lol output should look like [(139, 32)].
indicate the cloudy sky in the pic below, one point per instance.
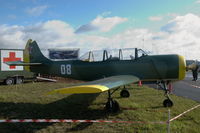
[(162, 27)]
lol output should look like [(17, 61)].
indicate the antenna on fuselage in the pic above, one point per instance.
[(136, 53)]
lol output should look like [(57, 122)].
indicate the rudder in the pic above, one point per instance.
[(32, 54)]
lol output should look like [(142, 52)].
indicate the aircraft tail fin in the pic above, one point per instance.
[(32, 54)]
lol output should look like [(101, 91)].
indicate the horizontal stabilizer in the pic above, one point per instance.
[(20, 63), (98, 86)]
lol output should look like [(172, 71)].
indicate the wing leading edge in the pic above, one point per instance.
[(98, 86)]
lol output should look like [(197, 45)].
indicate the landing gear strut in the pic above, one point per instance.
[(167, 102), (111, 105)]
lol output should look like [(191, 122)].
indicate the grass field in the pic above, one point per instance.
[(28, 101)]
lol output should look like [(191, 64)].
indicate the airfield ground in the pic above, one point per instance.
[(28, 101)]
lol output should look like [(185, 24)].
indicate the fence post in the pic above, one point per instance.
[(168, 122), (16, 81)]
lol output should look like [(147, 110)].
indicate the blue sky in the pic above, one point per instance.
[(78, 12), (164, 27)]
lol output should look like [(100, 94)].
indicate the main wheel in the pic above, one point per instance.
[(167, 103), (112, 106), (9, 81), (124, 93)]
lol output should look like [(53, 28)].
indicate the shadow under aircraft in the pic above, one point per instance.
[(66, 108)]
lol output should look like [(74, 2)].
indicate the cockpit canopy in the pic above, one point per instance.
[(114, 54)]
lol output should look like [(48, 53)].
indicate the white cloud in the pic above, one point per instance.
[(104, 14), (36, 11), (183, 37), (86, 28), (198, 1), (179, 36), (189, 23), (106, 24), (103, 24), (55, 33), (48, 34), (155, 18), (11, 36)]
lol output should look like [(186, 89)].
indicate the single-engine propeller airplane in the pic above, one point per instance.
[(108, 70)]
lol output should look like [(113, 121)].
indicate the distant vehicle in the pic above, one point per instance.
[(13, 74)]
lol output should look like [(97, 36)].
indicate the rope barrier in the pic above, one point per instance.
[(176, 117), (73, 121)]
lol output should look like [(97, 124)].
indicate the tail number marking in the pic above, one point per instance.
[(66, 69)]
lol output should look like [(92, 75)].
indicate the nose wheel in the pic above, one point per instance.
[(167, 103)]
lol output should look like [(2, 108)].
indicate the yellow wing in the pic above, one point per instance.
[(98, 86)]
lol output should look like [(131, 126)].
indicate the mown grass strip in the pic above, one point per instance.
[(27, 101)]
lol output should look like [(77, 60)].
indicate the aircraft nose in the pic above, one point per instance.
[(182, 67)]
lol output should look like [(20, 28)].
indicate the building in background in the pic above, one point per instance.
[(72, 53)]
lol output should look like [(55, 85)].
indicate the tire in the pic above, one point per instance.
[(167, 103), (124, 93), (9, 81), (112, 106)]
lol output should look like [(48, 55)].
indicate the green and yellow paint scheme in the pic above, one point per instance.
[(146, 68), (107, 73)]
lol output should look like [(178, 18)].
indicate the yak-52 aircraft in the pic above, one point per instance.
[(107, 70)]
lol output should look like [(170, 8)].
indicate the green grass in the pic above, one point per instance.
[(28, 101)]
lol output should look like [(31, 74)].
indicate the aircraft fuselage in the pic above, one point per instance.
[(147, 68)]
